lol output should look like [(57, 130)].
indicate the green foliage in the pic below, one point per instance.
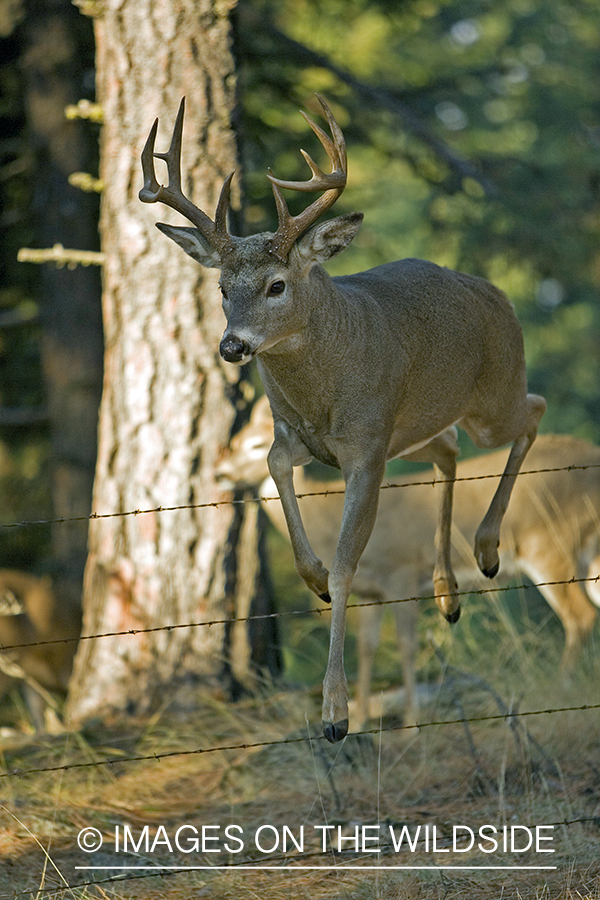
[(24, 494), (24, 475), (474, 140)]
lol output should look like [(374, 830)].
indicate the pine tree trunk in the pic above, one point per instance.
[(168, 400)]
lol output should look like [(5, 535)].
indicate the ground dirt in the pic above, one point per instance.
[(246, 777)]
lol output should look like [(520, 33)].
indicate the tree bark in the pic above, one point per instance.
[(168, 402)]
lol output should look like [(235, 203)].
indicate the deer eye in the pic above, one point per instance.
[(278, 287), (223, 291)]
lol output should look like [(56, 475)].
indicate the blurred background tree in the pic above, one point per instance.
[(51, 348)]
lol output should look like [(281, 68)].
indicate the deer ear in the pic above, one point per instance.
[(330, 238), (194, 244)]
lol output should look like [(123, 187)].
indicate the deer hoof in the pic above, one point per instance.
[(446, 598), (453, 616), (491, 571), (335, 731), (325, 597), (486, 553)]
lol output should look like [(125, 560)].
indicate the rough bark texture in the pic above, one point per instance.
[(167, 407)]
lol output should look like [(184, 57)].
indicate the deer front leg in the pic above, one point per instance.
[(369, 630), (286, 451), (360, 510)]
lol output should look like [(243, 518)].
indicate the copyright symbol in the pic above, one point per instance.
[(89, 840)]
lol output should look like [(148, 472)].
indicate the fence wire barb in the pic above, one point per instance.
[(199, 751), (215, 504), (261, 744), (319, 611)]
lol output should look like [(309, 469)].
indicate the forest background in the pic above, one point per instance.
[(473, 130)]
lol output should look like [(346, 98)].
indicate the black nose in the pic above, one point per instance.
[(233, 350)]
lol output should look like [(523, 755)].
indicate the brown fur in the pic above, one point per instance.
[(30, 612)]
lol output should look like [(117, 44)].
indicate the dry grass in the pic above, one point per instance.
[(544, 770)]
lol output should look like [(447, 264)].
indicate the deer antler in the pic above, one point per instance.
[(172, 195), (292, 227)]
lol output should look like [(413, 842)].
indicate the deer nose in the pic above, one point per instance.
[(233, 349)]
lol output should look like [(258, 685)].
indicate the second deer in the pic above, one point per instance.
[(551, 534), (45, 629), (359, 369)]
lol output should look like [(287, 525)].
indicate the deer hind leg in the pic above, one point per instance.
[(566, 599), (442, 452), (592, 586), (577, 616), (487, 537)]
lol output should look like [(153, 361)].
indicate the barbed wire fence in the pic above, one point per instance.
[(509, 716), (593, 579), (317, 611), (255, 745), (5, 648), (216, 504)]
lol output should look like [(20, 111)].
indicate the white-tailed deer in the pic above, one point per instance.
[(30, 612), (359, 369), (551, 533)]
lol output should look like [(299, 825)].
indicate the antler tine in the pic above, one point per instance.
[(292, 227), (336, 131), (149, 193), (173, 155), (223, 206), (172, 195), (336, 151)]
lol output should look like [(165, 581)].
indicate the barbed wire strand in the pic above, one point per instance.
[(255, 863), (5, 648), (262, 744), (216, 504), (200, 751)]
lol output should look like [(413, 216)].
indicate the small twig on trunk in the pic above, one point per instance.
[(61, 257)]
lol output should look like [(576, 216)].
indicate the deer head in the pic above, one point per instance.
[(244, 463), (266, 278)]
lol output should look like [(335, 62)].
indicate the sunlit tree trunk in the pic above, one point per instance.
[(169, 401)]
